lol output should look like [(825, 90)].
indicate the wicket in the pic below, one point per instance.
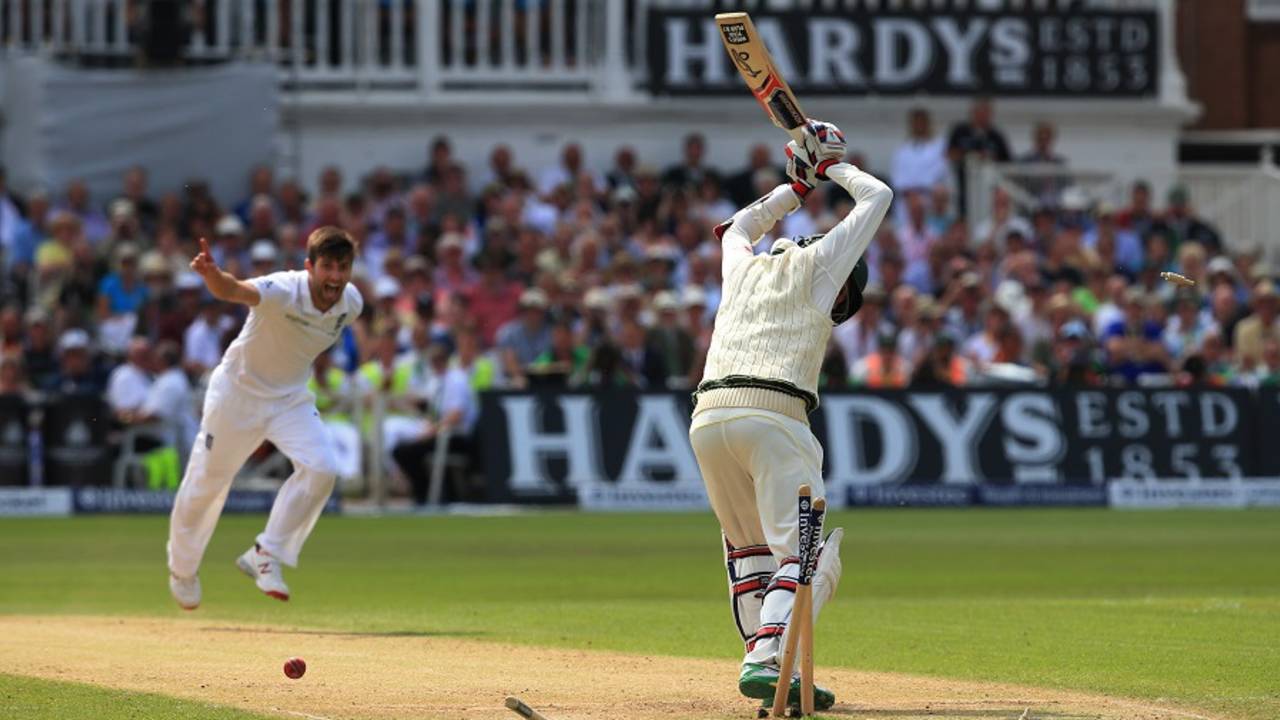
[(798, 638)]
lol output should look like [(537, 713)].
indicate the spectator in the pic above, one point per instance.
[(982, 348), (399, 383), (453, 199), (76, 371), (482, 372), (566, 173), (293, 203), (689, 173), (980, 138), (641, 363), (623, 173), (522, 340), (941, 365), (741, 186), (19, 257), (857, 338), (1253, 332), (262, 219), (883, 368), (964, 318), (12, 379), (202, 341), (1138, 217), (914, 236), (263, 258), (331, 184), (453, 413), (939, 217), (1225, 313), (120, 296), (1184, 225), (1126, 245), (39, 357), (128, 383), (1046, 188), (672, 341), (1133, 343), (229, 248), (919, 163), (168, 399), (439, 160), (94, 223), (502, 167), (11, 330), (11, 213), (261, 185), (1185, 331), (564, 363), (334, 390)]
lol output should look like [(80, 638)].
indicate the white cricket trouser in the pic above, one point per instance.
[(753, 463), (234, 424)]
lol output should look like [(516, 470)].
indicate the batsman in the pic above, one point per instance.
[(750, 429)]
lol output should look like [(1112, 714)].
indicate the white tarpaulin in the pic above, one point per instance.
[(64, 122)]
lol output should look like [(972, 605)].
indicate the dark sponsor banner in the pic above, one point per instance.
[(1064, 51), (92, 500), (991, 447)]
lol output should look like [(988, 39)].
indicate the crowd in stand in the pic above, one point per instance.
[(569, 276)]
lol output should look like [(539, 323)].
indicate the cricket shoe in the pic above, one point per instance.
[(185, 590), (826, 576), (759, 681), (265, 571)]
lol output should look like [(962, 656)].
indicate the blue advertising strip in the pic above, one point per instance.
[(34, 502), (95, 500)]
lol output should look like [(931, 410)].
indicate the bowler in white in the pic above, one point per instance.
[(259, 392)]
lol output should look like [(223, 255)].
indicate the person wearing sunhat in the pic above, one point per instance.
[(1263, 325), (523, 339), (77, 373)]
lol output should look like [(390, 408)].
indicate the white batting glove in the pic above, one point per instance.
[(802, 173), (824, 145)]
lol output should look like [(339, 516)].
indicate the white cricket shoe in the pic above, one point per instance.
[(826, 576), (185, 590), (265, 571)]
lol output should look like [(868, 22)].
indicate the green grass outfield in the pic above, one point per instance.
[(1181, 606)]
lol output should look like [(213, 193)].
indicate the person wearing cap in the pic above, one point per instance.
[(523, 339), (1132, 343), (77, 372), (670, 338), (1263, 325), (452, 274), (750, 431), (120, 296), (564, 363), (258, 392), (128, 383), (263, 258), (228, 246)]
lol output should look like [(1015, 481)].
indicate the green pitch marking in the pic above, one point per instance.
[(32, 699), (1178, 606)]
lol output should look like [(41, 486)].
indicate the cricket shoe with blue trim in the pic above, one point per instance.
[(265, 571), (759, 680)]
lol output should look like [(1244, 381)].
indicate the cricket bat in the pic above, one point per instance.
[(754, 63)]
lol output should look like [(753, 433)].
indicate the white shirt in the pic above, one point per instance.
[(272, 355), (202, 342), (127, 387), (170, 400), (920, 164), (837, 252), (451, 391)]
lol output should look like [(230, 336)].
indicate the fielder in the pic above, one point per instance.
[(259, 391), (750, 430)]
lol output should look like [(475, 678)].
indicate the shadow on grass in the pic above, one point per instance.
[(339, 633)]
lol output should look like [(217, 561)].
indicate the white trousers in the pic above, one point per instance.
[(234, 424), (753, 463)]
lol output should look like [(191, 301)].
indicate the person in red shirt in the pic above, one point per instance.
[(494, 299)]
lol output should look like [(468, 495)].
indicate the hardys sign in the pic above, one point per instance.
[(1069, 50), (997, 447)]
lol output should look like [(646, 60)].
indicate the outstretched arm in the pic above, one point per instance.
[(223, 285)]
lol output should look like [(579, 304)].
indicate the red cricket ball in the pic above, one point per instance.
[(295, 667)]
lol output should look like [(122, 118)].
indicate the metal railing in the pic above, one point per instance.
[(420, 44), (1243, 202)]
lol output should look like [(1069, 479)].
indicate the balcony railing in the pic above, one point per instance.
[(411, 44)]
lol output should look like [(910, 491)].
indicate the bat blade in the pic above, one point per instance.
[(754, 63)]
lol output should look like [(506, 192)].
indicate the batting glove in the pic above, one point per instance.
[(803, 175), (824, 145)]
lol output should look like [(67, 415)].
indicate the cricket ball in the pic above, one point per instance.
[(295, 667)]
